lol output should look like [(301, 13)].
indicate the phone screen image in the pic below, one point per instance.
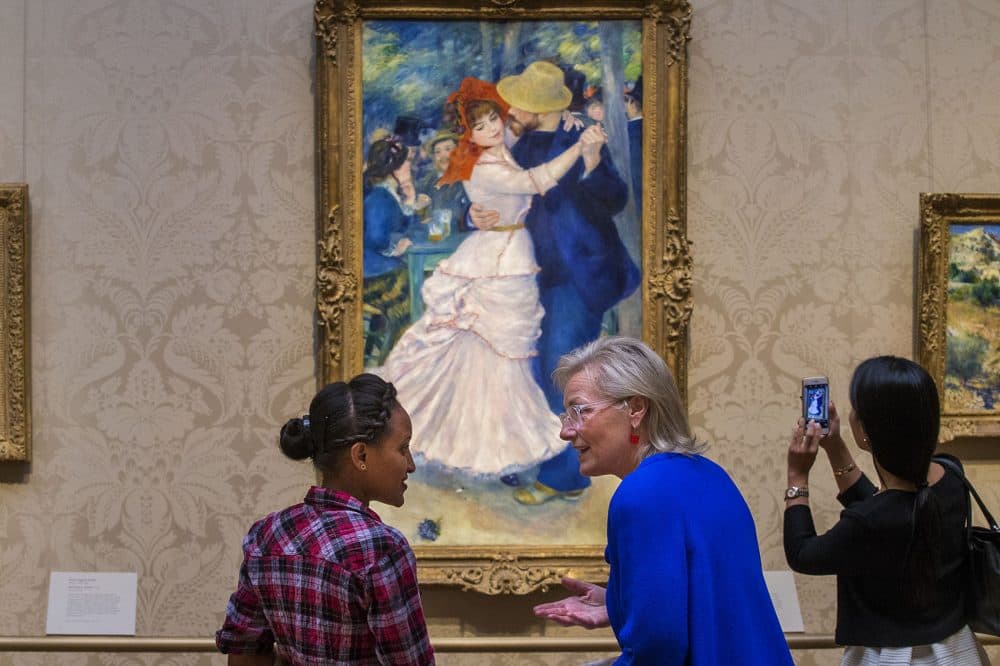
[(816, 403)]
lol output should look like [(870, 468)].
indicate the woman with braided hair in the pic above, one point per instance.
[(326, 581)]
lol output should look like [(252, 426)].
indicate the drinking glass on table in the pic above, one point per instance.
[(440, 225)]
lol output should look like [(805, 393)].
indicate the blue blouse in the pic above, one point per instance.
[(384, 224), (686, 584)]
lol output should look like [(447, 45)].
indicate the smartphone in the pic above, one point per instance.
[(816, 401)]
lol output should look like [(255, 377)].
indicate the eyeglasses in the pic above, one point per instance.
[(580, 414)]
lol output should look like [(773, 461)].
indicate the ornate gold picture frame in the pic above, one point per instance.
[(15, 361), (509, 563), (958, 287)]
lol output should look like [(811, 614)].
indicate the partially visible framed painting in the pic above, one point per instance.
[(959, 309), (15, 363), (498, 181)]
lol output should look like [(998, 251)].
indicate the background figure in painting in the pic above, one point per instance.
[(482, 315), (326, 581), (576, 82), (594, 107), (451, 196), (389, 215), (585, 268), (633, 110), (685, 585), (408, 130)]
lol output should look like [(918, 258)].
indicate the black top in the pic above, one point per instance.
[(867, 549)]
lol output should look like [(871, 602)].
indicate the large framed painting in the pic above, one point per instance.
[(498, 182), (15, 364), (959, 309)]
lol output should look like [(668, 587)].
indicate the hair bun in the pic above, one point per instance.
[(296, 439)]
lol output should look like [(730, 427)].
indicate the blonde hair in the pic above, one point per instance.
[(621, 368)]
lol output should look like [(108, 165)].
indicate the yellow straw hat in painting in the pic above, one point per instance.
[(442, 135), (540, 88)]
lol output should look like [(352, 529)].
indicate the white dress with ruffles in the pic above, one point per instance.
[(463, 370)]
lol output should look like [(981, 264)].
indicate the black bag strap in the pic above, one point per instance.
[(942, 460)]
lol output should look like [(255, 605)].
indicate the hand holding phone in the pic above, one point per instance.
[(816, 401)]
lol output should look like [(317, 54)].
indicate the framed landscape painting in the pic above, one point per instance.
[(497, 183), (959, 309)]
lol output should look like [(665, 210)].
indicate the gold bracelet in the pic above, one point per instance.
[(846, 469)]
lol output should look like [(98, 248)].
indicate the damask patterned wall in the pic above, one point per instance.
[(168, 146)]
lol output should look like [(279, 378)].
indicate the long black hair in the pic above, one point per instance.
[(341, 413), (897, 403)]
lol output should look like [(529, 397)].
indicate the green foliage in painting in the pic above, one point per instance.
[(986, 292), (410, 67), (965, 356)]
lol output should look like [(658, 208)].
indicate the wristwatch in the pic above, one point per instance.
[(796, 491)]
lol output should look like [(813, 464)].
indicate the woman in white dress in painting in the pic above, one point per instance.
[(463, 370)]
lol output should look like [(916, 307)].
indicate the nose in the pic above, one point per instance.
[(410, 465), (567, 432)]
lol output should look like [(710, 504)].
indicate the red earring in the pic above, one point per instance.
[(633, 439)]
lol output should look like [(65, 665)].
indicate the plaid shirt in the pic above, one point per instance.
[(330, 583)]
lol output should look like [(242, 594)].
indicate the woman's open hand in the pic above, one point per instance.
[(483, 217), (401, 246), (570, 122), (585, 609)]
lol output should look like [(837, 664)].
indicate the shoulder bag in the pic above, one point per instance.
[(983, 564)]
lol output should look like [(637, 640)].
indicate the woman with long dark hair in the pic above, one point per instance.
[(898, 549)]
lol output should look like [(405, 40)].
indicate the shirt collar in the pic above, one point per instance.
[(325, 499), (390, 187)]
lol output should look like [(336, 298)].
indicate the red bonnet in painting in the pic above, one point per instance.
[(466, 154)]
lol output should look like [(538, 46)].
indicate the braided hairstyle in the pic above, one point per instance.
[(341, 414)]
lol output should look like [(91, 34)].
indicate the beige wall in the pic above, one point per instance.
[(168, 147)]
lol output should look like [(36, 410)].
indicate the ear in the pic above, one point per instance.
[(359, 456), (865, 444), (638, 405)]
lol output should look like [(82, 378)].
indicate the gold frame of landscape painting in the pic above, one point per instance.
[(959, 309), (509, 563), (15, 437)]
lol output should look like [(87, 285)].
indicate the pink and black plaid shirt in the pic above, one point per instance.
[(327, 582)]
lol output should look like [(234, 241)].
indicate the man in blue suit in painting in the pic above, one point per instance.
[(585, 268)]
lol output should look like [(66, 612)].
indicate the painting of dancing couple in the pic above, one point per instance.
[(501, 229)]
